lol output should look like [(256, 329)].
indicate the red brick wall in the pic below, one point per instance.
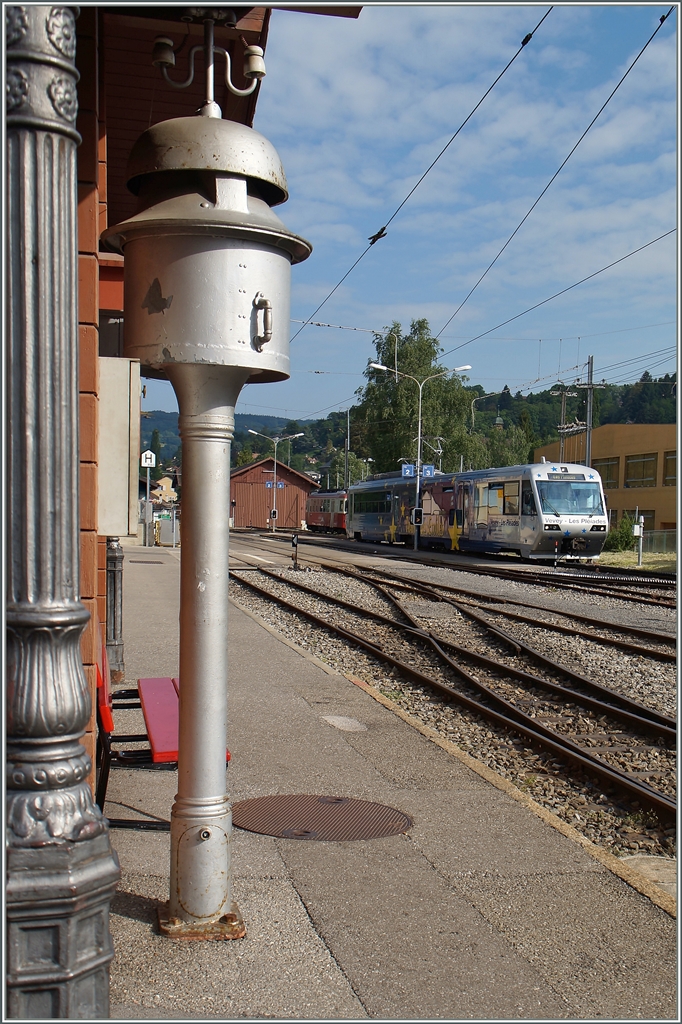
[(88, 337)]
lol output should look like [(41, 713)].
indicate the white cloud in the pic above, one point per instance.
[(358, 110)]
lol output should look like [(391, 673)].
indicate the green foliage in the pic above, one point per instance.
[(383, 424), (620, 537), (357, 469), (156, 446), (245, 455), (388, 411)]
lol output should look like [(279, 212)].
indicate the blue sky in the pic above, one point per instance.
[(358, 109)]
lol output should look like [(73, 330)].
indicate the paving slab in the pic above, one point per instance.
[(602, 946), (481, 911)]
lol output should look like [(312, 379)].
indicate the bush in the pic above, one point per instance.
[(620, 537)]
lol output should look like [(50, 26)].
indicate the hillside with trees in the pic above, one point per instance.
[(461, 425)]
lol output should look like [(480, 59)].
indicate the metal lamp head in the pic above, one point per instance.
[(207, 261)]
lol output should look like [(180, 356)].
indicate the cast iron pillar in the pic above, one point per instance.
[(115, 609), (61, 872)]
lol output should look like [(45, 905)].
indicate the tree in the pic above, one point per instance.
[(245, 456), (155, 446), (387, 415), (508, 447)]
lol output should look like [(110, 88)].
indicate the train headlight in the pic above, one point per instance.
[(598, 529), (552, 526)]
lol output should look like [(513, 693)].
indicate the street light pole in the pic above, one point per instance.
[(419, 457), (275, 441), (420, 385), (274, 492)]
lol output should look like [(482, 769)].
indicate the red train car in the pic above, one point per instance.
[(326, 511)]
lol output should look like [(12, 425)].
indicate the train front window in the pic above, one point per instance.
[(569, 497)]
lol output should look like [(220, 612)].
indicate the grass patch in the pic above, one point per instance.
[(651, 561)]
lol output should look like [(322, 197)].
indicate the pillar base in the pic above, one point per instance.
[(58, 943), (230, 926)]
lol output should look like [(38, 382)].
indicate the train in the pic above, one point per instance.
[(539, 511), (326, 512)]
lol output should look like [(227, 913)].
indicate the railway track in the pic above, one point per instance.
[(607, 586), (630, 588), (598, 731), (660, 645)]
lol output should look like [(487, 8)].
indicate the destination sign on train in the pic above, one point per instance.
[(565, 476)]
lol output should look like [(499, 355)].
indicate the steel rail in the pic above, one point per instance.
[(578, 679), (514, 718), (556, 627), (611, 696), (546, 684), (552, 626), (645, 634), (536, 578), (600, 706)]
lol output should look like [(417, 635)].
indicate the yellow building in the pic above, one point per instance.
[(638, 466)]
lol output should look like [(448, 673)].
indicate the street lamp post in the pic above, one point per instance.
[(420, 385), (275, 441)]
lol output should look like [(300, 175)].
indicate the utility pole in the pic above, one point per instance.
[(590, 405), (589, 387), (562, 426), (346, 481)]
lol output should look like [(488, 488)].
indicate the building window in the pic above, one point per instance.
[(609, 471), (669, 469), (641, 470), (649, 517)]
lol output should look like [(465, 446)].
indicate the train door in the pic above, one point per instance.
[(478, 532), (461, 515), (431, 506), (528, 522)]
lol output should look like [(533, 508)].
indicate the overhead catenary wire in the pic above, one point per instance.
[(566, 337), (518, 227), (381, 233), (562, 292)]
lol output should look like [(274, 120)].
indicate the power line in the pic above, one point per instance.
[(640, 358), (562, 292), (556, 173), (382, 231), (564, 337)]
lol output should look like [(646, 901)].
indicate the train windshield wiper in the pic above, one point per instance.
[(546, 502), (597, 510)]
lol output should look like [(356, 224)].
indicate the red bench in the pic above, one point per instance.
[(158, 698)]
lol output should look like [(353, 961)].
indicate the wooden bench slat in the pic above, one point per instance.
[(160, 708)]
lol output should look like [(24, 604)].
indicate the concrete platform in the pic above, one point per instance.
[(482, 911)]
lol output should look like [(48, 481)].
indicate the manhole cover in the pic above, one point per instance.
[(331, 818)]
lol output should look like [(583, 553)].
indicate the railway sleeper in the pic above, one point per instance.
[(638, 721), (615, 704), (644, 634)]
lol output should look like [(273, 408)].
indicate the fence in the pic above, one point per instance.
[(660, 541)]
